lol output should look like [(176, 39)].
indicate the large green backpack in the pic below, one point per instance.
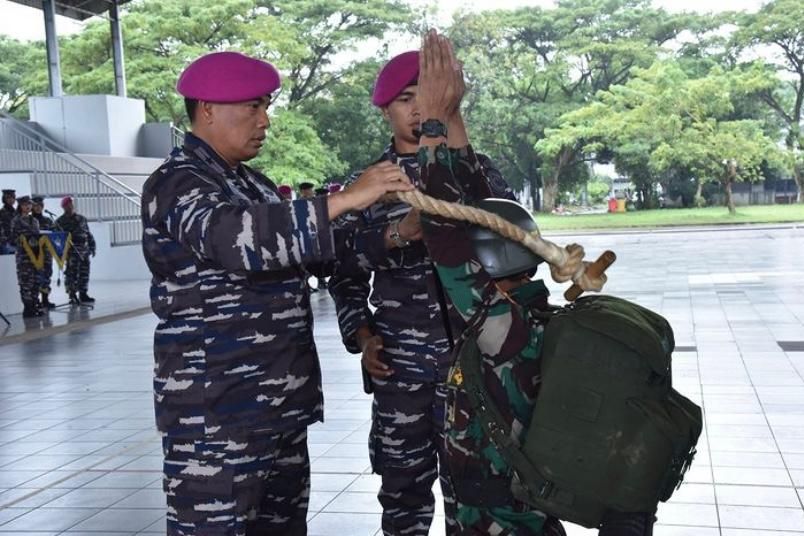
[(608, 431)]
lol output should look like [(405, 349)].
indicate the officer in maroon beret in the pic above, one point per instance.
[(237, 380), (405, 337)]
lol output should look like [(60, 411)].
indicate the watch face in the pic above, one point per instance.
[(432, 128)]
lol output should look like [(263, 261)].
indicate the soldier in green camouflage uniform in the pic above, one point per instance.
[(498, 309), (511, 343)]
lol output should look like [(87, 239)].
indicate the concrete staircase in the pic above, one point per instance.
[(105, 188)]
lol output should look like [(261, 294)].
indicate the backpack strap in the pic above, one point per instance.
[(527, 482)]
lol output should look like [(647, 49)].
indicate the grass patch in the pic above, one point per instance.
[(673, 217)]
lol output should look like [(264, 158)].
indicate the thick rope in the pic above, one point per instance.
[(565, 263)]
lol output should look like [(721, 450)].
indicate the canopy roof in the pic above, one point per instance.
[(75, 9)]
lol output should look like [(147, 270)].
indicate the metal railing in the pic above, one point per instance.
[(177, 136), (56, 172)]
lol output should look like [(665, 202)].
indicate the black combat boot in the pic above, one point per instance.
[(74, 299), (46, 303), (86, 298), (28, 310), (36, 306)]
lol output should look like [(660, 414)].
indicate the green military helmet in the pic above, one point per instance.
[(500, 256)]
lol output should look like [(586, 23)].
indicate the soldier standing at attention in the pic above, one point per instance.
[(7, 214), (405, 342), (25, 228), (306, 190), (286, 191), (46, 273), (76, 275), (237, 379)]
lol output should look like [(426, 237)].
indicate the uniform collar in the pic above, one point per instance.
[(202, 150), (390, 153)]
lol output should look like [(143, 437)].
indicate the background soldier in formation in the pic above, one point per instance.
[(46, 273), (24, 227), (76, 275), (237, 379), (7, 213), (306, 190), (405, 342)]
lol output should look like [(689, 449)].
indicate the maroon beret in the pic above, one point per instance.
[(399, 73), (227, 77), (66, 201)]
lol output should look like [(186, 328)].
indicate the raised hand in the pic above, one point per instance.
[(441, 84)]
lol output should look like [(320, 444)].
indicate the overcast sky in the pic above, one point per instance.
[(23, 22)]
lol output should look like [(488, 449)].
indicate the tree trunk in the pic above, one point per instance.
[(731, 174), (729, 198), (550, 194), (647, 198), (534, 195), (795, 148), (699, 200)]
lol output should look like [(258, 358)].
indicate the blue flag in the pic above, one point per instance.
[(58, 242)]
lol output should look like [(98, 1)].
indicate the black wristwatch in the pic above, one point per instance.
[(433, 128)]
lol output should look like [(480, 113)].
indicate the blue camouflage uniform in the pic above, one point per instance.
[(45, 275), (406, 439), (26, 228), (236, 378), (7, 245), (76, 273)]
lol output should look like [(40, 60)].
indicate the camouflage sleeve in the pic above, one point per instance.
[(366, 242), (361, 251), (259, 237), (14, 231), (63, 223), (90, 238), (350, 286), (499, 186), (458, 177)]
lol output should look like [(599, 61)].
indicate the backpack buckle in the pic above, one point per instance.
[(545, 489)]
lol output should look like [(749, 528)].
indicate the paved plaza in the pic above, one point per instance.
[(79, 453)]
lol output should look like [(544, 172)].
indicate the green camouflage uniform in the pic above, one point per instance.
[(510, 341)]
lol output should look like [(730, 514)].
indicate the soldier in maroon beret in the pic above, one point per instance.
[(405, 337), (237, 380)]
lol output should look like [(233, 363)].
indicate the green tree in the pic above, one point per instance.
[(316, 31), (663, 123), (778, 26), (346, 121), (530, 66), (21, 62), (308, 40), (294, 153)]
